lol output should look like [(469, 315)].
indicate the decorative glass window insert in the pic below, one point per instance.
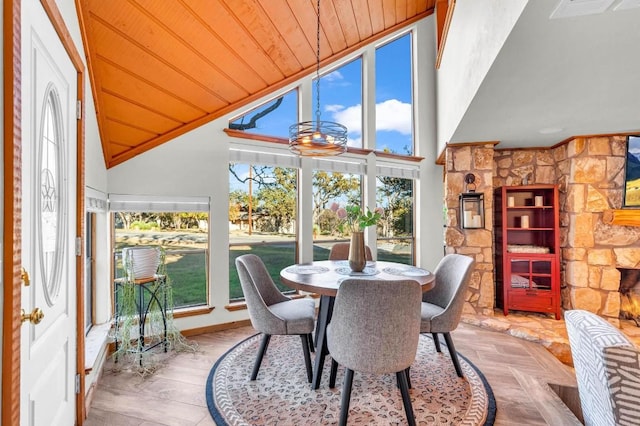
[(52, 196)]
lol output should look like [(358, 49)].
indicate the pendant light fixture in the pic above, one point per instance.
[(317, 138)]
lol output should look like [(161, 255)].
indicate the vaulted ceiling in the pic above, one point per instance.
[(159, 68)]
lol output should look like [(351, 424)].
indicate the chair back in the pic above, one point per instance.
[(260, 292), (607, 368), (452, 276), (375, 325), (340, 251)]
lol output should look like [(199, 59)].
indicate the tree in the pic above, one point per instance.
[(397, 199), (278, 200), (253, 121), (329, 186)]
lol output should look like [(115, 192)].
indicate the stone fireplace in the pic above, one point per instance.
[(589, 173)]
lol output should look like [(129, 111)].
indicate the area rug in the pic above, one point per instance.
[(281, 394)]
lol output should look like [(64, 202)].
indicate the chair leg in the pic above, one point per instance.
[(406, 399), (333, 373), (312, 347), (453, 353), (407, 373), (436, 341), (307, 356), (346, 396), (261, 352)]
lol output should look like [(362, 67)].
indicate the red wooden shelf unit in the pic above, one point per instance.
[(527, 248)]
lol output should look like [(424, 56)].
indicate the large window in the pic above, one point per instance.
[(272, 118), (395, 230), (331, 191), (341, 99), (394, 124), (262, 219), (180, 227)]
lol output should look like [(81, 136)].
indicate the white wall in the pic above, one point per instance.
[(476, 34), (429, 190)]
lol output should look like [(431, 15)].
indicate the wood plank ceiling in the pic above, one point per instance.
[(160, 68)]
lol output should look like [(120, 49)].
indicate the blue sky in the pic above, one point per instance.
[(341, 100)]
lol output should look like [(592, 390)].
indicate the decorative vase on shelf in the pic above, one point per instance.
[(357, 256)]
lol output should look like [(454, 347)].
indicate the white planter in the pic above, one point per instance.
[(141, 262)]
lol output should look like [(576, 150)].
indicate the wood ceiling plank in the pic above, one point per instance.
[(125, 135), (307, 19), (423, 5), (291, 31), (197, 33), (347, 19), (223, 24), (401, 10), (147, 67), (412, 8), (331, 30), (389, 13), (136, 116), (376, 14), (133, 23), (120, 83), (250, 15), (363, 19)]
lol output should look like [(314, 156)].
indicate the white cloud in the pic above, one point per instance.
[(350, 117), (333, 77), (391, 115)]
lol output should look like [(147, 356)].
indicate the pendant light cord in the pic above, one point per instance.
[(318, 67)]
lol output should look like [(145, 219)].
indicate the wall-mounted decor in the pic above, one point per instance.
[(632, 173)]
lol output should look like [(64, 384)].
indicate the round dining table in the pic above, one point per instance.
[(324, 278)]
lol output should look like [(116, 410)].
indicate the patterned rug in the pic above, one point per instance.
[(281, 394)]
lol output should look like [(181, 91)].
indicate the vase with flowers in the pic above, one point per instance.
[(356, 220)]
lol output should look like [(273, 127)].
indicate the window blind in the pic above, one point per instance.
[(156, 203)]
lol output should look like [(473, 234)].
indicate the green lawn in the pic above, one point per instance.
[(187, 271)]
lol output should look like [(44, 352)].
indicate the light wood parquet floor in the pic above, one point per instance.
[(516, 369)]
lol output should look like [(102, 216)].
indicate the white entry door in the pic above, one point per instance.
[(48, 348)]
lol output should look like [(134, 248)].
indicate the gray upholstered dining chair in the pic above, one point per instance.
[(273, 313), (442, 305), (375, 329), (340, 251)]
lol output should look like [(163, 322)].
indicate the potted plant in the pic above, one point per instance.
[(356, 221)]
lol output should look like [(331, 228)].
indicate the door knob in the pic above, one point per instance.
[(24, 276), (34, 317)]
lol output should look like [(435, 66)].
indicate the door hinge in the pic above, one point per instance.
[(79, 109), (78, 246), (78, 384)]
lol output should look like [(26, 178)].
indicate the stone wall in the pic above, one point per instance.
[(590, 174), (592, 249), (478, 243)]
